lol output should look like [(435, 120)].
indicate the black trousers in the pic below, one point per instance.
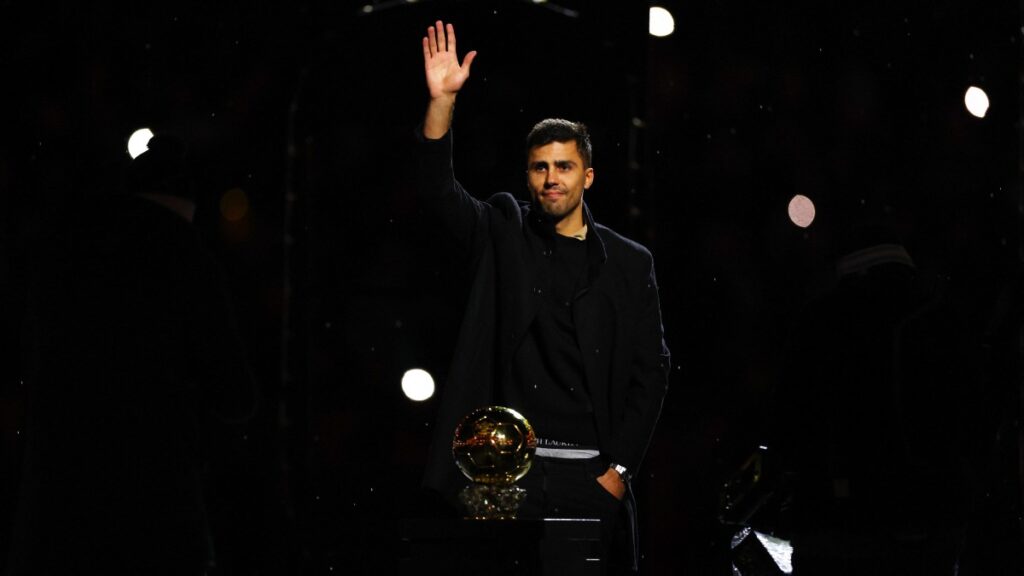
[(563, 488)]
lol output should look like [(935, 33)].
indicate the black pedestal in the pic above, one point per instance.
[(556, 546)]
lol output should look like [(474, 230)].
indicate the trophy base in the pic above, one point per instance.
[(492, 502)]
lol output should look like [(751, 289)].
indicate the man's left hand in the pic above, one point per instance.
[(612, 482)]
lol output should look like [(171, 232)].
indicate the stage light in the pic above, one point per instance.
[(418, 385), (780, 550), (976, 101), (801, 211), (138, 142), (661, 23), (755, 553), (234, 205)]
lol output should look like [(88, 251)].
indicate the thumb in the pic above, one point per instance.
[(468, 61)]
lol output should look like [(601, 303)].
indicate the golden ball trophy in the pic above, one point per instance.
[(494, 447)]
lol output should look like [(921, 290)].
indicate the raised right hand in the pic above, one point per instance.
[(445, 76)]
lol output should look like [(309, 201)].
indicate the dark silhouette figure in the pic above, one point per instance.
[(866, 420), (134, 357)]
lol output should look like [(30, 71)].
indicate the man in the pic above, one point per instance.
[(563, 321)]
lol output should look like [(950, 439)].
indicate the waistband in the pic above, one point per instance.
[(548, 448)]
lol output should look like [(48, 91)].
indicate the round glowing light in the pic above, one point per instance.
[(801, 211), (418, 385), (976, 101), (138, 142), (661, 22), (234, 205)]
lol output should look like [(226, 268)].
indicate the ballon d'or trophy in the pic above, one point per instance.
[(493, 446)]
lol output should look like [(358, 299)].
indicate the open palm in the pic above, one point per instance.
[(445, 76)]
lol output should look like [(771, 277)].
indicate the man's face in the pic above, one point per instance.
[(557, 179)]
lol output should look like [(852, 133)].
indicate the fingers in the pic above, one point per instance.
[(468, 61), (441, 38), (432, 40), (442, 44)]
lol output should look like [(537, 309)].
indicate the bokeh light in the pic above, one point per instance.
[(801, 211), (234, 205), (976, 101), (138, 142), (661, 22), (418, 385)]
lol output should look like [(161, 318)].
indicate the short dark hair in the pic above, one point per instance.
[(558, 130)]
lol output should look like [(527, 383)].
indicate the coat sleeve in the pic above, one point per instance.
[(648, 378), (463, 215)]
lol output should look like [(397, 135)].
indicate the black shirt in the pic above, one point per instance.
[(547, 383)]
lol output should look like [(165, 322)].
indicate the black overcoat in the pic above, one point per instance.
[(617, 316)]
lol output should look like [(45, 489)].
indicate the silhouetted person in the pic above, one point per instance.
[(134, 349), (863, 414)]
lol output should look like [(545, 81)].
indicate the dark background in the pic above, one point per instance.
[(341, 282)]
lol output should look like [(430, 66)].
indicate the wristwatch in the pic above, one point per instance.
[(621, 470)]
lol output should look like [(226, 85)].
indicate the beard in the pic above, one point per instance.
[(559, 210)]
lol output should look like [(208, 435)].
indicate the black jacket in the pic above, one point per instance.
[(617, 316)]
